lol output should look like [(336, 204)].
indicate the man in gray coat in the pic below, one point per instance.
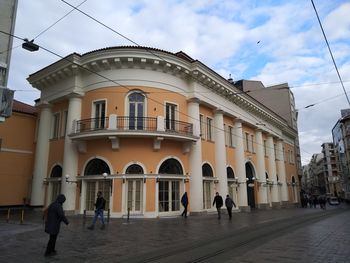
[(55, 216)]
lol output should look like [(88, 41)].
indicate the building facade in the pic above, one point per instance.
[(331, 174), (280, 99), (341, 141), (17, 150), (144, 126), (8, 10)]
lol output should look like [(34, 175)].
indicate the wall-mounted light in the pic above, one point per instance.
[(124, 178), (70, 181), (157, 178), (105, 175), (187, 179), (216, 181), (144, 178)]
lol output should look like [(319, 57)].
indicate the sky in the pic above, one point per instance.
[(273, 41)]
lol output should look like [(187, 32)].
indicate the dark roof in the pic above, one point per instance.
[(21, 107)]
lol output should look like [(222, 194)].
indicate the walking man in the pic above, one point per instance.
[(229, 204), (219, 203), (55, 215), (100, 206), (184, 202)]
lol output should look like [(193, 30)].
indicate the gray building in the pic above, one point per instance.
[(8, 9), (341, 140), (330, 169)]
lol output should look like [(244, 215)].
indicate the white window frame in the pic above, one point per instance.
[(55, 128), (209, 129)]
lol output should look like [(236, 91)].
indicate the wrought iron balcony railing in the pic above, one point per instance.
[(127, 123)]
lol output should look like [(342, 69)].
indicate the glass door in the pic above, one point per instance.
[(100, 114), (207, 195), (134, 200), (136, 111), (169, 196), (170, 110)]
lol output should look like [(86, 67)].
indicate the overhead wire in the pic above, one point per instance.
[(330, 52), (46, 29), (158, 56), (76, 8)]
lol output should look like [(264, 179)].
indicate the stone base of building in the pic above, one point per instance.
[(70, 212), (286, 204), (198, 213), (276, 205), (264, 206), (245, 208)]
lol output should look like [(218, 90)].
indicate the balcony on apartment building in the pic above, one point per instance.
[(115, 127)]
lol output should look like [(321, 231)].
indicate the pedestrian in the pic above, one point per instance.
[(229, 204), (54, 217), (184, 202), (219, 203), (100, 206)]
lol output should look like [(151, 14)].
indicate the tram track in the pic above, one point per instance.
[(233, 243)]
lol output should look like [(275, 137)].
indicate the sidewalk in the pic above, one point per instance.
[(121, 238)]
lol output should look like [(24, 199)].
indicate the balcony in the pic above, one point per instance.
[(115, 127)]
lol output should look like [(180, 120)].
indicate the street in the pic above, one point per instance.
[(284, 235)]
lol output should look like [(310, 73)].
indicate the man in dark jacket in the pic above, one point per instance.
[(219, 203), (55, 216), (184, 202), (229, 204), (100, 206)]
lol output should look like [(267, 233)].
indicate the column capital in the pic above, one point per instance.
[(218, 111), (42, 104), (75, 94), (238, 120), (193, 100), (279, 139)]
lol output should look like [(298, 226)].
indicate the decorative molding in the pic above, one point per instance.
[(15, 150)]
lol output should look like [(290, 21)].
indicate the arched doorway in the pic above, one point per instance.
[(169, 188), (207, 173), (135, 187), (95, 168), (250, 185), (231, 184), (55, 183)]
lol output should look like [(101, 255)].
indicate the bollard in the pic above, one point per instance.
[(84, 216), (128, 213), (22, 216), (108, 215), (8, 215)]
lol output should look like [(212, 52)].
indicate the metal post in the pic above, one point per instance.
[(108, 215), (128, 213), (22, 216), (8, 215), (84, 216)]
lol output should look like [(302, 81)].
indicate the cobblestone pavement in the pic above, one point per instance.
[(142, 240)]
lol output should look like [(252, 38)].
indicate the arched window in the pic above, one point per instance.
[(207, 171), (134, 169), (229, 172), (96, 167), (56, 171), (136, 110), (171, 166)]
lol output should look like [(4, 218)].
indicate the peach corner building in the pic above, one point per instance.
[(144, 126)]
